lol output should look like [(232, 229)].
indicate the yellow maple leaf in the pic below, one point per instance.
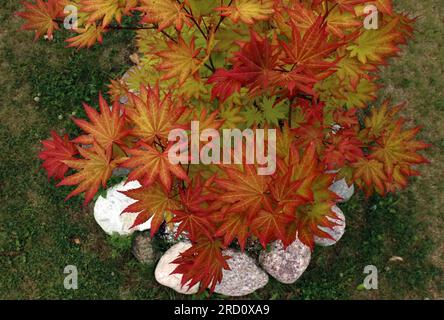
[(248, 11), (87, 37), (165, 13), (107, 9), (376, 45), (180, 60)]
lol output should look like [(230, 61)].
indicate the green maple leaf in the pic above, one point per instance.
[(266, 110), (253, 116), (272, 111)]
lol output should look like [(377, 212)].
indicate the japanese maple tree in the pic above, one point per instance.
[(307, 68)]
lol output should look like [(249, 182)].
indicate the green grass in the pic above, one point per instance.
[(40, 233)]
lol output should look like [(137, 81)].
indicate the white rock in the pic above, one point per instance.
[(336, 232), (244, 278), (108, 211), (165, 267), (287, 265), (342, 189)]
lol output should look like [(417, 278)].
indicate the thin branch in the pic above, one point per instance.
[(222, 18)]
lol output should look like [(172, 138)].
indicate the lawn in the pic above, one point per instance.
[(43, 83)]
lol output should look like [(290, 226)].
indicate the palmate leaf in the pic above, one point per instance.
[(194, 217), (40, 17), (232, 117), (203, 263), (245, 190), (248, 11), (350, 69), (55, 151), (234, 226), (311, 49), (180, 60), (303, 166), (93, 171), (310, 218), (398, 147), (289, 193), (152, 116), (399, 178), (339, 23), (107, 10), (149, 165), (87, 37), (343, 148), (375, 46), (106, 128), (369, 174), (165, 13), (152, 202), (268, 226), (253, 67), (360, 96), (380, 120), (273, 110), (225, 84)]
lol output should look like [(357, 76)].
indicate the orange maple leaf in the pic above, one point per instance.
[(310, 218), (165, 13), (234, 225), (107, 10), (87, 37), (152, 116), (369, 174), (149, 164), (94, 170), (269, 226), (40, 17), (152, 202), (397, 147), (245, 190), (106, 128)]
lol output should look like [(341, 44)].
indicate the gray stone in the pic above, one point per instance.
[(170, 234), (287, 265), (336, 232), (121, 172), (143, 249), (123, 100), (343, 190), (165, 267), (244, 278)]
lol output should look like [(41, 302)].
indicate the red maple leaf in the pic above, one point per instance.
[(253, 67), (93, 171), (203, 263), (152, 202), (149, 164), (55, 151), (311, 49), (270, 225), (342, 148)]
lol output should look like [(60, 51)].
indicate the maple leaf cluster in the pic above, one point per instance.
[(308, 69)]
